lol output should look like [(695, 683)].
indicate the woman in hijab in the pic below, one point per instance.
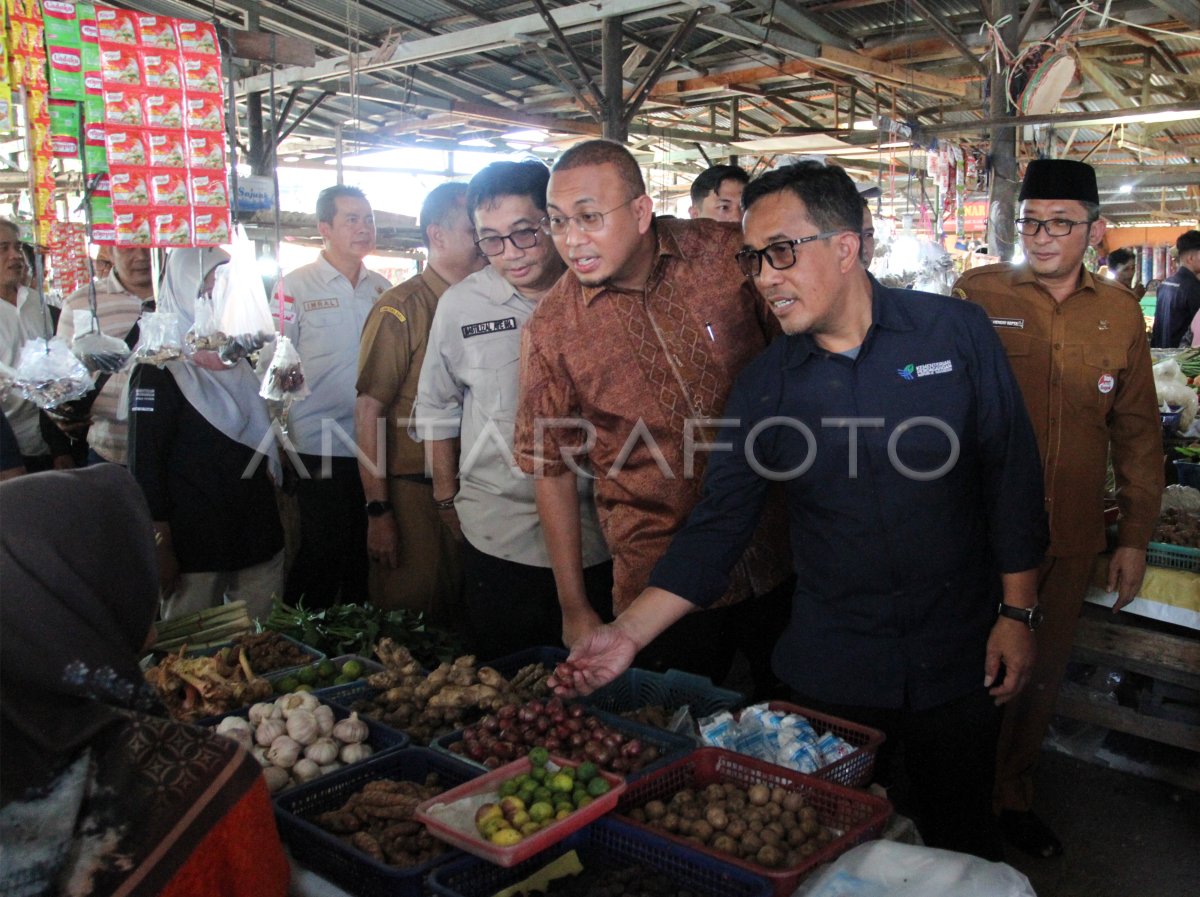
[(195, 435), (101, 793)]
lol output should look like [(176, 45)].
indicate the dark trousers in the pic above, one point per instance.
[(949, 757), (331, 562), (511, 606)]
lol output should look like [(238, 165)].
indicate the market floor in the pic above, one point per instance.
[(1124, 835)]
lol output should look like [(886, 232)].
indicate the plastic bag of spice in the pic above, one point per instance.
[(285, 375)]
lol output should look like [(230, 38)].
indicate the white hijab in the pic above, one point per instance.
[(228, 400)]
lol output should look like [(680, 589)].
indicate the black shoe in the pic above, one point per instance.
[(1026, 832)]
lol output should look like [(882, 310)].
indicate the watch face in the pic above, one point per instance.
[(376, 508), (1035, 617)]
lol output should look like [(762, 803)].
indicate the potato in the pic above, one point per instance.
[(716, 817), (736, 827), (809, 825), (769, 856), (714, 792), (793, 802), (655, 809), (779, 795), (702, 830), (796, 836), (725, 844), (670, 821), (750, 844)]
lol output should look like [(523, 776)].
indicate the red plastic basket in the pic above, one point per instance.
[(473, 843), (858, 815), (854, 770)]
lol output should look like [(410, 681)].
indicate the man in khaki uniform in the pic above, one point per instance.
[(414, 558), (1077, 344)]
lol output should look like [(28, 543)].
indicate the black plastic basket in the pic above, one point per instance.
[(345, 866), (671, 690)]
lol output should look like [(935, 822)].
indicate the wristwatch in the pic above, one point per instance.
[(378, 508), (1030, 616)]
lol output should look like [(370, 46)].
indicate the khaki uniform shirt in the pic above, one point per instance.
[(644, 369), (1083, 365), (389, 361)]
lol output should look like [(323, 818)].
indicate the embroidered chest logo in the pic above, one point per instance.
[(1103, 325), (916, 371), (485, 327), (319, 304), (1009, 323)]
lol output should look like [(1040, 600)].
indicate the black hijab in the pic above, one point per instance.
[(97, 785)]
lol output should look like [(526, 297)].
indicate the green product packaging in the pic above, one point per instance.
[(102, 211), (61, 21), (64, 119), (93, 108), (66, 72)]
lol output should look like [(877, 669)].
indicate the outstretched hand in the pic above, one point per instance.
[(595, 660)]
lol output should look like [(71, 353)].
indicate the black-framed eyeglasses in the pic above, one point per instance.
[(523, 238), (585, 221), (1055, 227), (780, 256)]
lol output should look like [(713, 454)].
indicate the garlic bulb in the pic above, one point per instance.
[(325, 720), (260, 754), (322, 751), (261, 711), (300, 700), (302, 726), (284, 752), (352, 753), (305, 770), (277, 779), (330, 767), (351, 730), (268, 730), (236, 729)]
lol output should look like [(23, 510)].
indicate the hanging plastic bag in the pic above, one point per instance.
[(203, 336), (99, 352), (160, 339), (241, 303), (7, 376), (49, 373), (285, 375)]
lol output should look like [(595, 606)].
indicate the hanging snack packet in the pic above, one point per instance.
[(204, 335), (48, 374), (241, 302), (160, 340), (285, 375), (98, 351)]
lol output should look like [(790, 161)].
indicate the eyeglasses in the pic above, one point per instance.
[(1055, 227), (586, 221), (780, 256), (525, 238)]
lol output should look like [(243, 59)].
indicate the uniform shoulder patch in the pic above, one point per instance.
[(395, 312)]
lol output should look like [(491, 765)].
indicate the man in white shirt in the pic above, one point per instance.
[(326, 303), (466, 406)]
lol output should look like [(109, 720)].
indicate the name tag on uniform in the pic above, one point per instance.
[(141, 400), (1009, 323), (485, 327), (318, 304)]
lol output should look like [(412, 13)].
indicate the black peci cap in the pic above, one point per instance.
[(1059, 179)]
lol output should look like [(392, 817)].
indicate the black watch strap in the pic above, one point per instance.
[(378, 508), (1030, 616)]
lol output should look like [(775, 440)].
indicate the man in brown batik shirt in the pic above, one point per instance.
[(641, 339)]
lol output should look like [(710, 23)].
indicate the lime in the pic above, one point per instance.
[(563, 813), (352, 668), (562, 782), (577, 795), (343, 680), (505, 837), (303, 686), (287, 684), (326, 669), (562, 804), (598, 786), (508, 787), (538, 757), (538, 774), (543, 794), (540, 811), (586, 771), (583, 801), (307, 675)]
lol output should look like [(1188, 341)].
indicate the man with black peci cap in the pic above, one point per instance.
[(1177, 301), (1078, 348)]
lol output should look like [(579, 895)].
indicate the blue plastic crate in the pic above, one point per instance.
[(671, 690), (671, 747), (369, 667), (345, 866), (606, 845)]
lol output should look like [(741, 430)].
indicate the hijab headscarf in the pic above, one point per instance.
[(228, 400), (100, 793)]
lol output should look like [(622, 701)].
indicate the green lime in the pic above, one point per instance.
[(538, 757), (326, 669), (538, 774), (307, 675), (543, 794), (508, 787), (598, 786), (303, 686), (352, 668), (577, 795), (287, 684), (343, 680), (586, 771), (562, 782), (540, 811), (560, 805)]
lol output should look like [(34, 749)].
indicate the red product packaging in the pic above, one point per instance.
[(162, 108), (201, 73), (171, 227), (169, 187), (209, 189), (156, 31), (125, 147), (204, 113), (196, 37), (119, 67), (122, 107), (89, 32), (129, 187), (116, 26), (104, 233), (160, 68), (103, 186), (166, 148), (206, 150), (132, 227), (210, 226)]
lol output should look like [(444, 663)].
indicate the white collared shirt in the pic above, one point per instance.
[(19, 323), (323, 317), (468, 389)]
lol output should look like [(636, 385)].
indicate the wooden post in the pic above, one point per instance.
[(1002, 203), (613, 125)]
